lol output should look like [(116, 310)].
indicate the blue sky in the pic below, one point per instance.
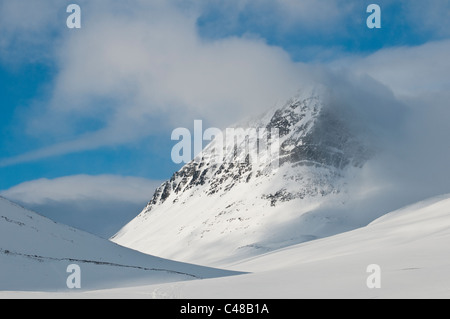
[(103, 100)]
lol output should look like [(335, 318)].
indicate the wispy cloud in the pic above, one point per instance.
[(27, 30)]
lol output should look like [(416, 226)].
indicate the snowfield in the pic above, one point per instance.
[(35, 253), (411, 246)]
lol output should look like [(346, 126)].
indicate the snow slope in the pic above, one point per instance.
[(35, 253), (411, 245)]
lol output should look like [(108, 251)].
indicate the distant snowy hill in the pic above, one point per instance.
[(35, 253), (211, 212)]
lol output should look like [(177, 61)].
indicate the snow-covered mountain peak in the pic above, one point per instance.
[(240, 202)]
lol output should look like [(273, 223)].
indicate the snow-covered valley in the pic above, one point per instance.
[(411, 246)]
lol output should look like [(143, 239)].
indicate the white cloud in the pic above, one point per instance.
[(140, 69), (98, 204), (408, 71), (413, 162)]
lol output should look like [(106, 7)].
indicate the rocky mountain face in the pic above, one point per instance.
[(247, 204)]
